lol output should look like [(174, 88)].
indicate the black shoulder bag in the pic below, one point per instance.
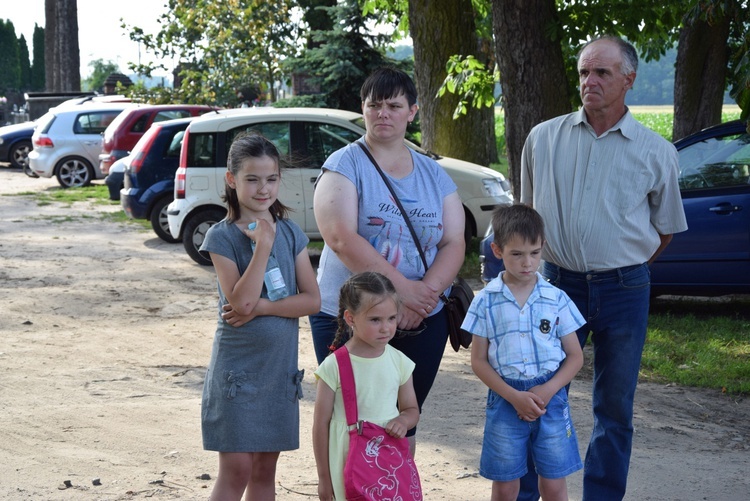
[(460, 297)]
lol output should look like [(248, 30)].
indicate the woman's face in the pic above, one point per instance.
[(388, 119)]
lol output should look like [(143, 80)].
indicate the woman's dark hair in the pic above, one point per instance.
[(386, 83), (244, 146), (362, 290)]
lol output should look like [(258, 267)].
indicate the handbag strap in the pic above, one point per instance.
[(400, 208), (348, 386), (398, 203)]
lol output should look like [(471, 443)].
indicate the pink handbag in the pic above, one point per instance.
[(378, 467)]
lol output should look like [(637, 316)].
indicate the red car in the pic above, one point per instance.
[(122, 134)]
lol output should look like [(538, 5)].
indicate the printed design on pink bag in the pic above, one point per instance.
[(389, 460)]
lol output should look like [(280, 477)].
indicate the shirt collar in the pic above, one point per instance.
[(542, 288), (627, 125)]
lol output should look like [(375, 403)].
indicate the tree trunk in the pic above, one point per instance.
[(700, 75), (532, 72), (62, 57), (440, 29)]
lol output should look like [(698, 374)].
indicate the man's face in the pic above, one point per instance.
[(602, 84)]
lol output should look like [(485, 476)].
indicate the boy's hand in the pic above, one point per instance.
[(528, 405), (544, 392), (325, 490)]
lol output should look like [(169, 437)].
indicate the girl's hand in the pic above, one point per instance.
[(263, 233), (233, 318), (325, 490), (396, 428)]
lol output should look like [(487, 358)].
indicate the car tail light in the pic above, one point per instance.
[(43, 142), (179, 183), (183, 149), (142, 148)]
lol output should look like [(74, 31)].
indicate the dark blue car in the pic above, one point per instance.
[(15, 144), (149, 175), (711, 258)]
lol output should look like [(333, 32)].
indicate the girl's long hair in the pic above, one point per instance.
[(244, 146)]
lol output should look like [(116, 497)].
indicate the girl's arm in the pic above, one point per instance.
[(305, 302), (336, 208), (567, 371), (528, 405), (320, 430), (408, 411), (243, 291)]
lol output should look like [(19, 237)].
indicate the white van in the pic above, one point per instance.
[(308, 136)]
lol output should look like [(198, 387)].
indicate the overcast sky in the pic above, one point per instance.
[(99, 32)]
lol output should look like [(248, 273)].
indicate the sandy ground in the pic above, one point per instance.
[(106, 331)]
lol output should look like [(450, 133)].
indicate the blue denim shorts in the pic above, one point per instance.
[(552, 438)]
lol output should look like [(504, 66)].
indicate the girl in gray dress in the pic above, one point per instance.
[(250, 408)]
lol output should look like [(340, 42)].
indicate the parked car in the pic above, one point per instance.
[(307, 136), (68, 140), (15, 144), (115, 178), (711, 258), (150, 172), (125, 130)]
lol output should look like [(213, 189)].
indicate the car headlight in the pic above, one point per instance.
[(493, 187)]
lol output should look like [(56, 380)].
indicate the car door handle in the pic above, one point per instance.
[(313, 179), (725, 208)]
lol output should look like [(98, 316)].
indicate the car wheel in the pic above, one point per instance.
[(195, 231), (19, 155), (159, 221), (74, 172)]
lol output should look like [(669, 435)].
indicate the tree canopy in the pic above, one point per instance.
[(223, 46)]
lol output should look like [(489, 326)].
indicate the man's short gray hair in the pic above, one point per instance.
[(629, 55)]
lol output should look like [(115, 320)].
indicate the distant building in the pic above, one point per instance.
[(110, 84)]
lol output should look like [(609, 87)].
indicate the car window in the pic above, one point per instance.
[(173, 149), (46, 122), (171, 115), (94, 122), (323, 139), (715, 162), (140, 124), (276, 132), (202, 151)]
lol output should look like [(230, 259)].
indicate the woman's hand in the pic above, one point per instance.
[(418, 296), (409, 319)]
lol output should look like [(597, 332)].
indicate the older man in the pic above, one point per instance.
[(607, 189)]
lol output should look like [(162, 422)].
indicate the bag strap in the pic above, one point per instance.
[(348, 386), (398, 203), (442, 296)]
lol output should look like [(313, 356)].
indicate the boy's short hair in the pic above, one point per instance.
[(517, 219)]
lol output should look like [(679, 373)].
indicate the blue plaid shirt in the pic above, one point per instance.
[(523, 342)]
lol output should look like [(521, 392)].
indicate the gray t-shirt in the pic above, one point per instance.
[(381, 223)]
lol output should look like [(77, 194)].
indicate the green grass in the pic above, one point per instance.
[(96, 194), (699, 342)]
